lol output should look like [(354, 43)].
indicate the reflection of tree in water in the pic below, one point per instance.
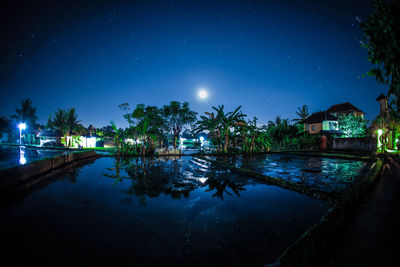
[(152, 177), (223, 181), (73, 172), (119, 163)]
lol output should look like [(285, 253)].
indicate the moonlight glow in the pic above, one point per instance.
[(202, 94)]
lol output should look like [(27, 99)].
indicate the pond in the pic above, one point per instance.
[(165, 211), (324, 174), (11, 156)]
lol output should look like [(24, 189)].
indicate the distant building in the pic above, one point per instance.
[(320, 121), (91, 131), (328, 120), (50, 137), (91, 139)]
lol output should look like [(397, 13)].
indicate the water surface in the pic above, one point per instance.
[(11, 156), (325, 174), (170, 212)]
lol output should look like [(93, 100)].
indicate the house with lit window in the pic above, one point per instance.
[(328, 120), (319, 121), (91, 139)]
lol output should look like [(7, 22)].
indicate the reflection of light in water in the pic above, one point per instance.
[(203, 180), (22, 159)]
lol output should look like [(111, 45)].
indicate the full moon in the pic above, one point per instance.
[(202, 94)]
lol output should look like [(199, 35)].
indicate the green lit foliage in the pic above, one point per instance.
[(382, 39), (120, 147), (252, 137), (353, 126), (286, 136)]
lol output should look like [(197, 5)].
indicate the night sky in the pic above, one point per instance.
[(268, 56)]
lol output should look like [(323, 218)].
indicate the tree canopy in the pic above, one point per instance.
[(177, 116), (382, 39), (26, 113)]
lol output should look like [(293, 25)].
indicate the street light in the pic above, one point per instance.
[(21, 126)]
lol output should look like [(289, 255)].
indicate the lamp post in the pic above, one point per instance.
[(21, 126)]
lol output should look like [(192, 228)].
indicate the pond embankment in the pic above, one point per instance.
[(21, 173)]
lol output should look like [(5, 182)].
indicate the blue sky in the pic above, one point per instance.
[(268, 56)]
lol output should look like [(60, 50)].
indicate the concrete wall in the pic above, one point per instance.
[(366, 144), (165, 152), (20, 173)]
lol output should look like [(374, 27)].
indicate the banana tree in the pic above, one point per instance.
[(227, 121), (118, 138)]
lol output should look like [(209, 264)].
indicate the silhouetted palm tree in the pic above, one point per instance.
[(303, 113), (27, 113), (71, 121), (58, 121)]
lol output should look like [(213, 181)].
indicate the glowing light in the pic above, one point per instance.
[(22, 126), (203, 180), (202, 94), (380, 132), (87, 141), (22, 159)]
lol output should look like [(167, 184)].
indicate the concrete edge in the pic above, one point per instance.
[(18, 174), (308, 248)]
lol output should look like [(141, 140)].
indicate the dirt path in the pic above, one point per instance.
[(372, 236)]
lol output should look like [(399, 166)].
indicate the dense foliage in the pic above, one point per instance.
[(67, 122), (151, 127), (382, 39), (229, 132), (353, 126)]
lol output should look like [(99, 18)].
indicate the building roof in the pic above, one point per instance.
[(50, 133), (91, 127), (343, 107), (382, 96), (318, 117)]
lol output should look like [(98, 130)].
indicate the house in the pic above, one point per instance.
[(50, 137), (345, 109), (321, 120), (91, 131), (328, 120), (91, 139)]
